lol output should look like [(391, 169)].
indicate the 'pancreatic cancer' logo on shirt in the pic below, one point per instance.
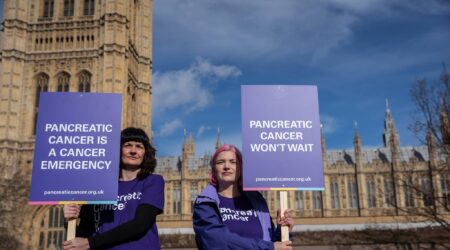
[(121, 202), (237, 215)]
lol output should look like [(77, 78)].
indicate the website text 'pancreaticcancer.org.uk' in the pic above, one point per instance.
[(296, 179), (63, 192)]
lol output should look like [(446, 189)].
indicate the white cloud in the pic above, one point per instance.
[(249, 30), (202, 129), (205, 68), (169, 127), (178, 89), (186, 88), (329, 124), (255, 30)]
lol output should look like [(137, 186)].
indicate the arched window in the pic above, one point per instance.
[(299, 200), (89, 7), (334, 193), (63, 82), (352, 193), (445, 187), (41, 86), (52, 232), (68, 7), (84, 82), (194, 193), (176, 196), (408, 192), (317, 199), (48, 8), (371, 193), (426, 190), (389, 198), (133, 108)]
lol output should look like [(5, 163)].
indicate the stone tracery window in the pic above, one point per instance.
[(89, 7), (41, 86), (84, 82), (52, 232), (63, 82), (408, 192), (194, 193), (68, 7), (389, 198), (317, 199), (334, 188), (176, 196), (445, 187), (48, 8), (134, 108), (426, 191), (298, 200), (352, 194), (371, 196)]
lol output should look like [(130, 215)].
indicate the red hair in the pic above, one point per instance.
[(225, 147)]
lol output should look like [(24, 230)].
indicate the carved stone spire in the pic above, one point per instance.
[(218, 144), (389, 129), (188, 146), (357, 145), (323, 144), (445, 124), (431, 144)]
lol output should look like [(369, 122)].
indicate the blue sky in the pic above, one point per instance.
[(358, 53)]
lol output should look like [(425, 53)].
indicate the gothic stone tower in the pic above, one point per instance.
[(100, 46)]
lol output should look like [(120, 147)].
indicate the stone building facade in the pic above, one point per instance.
[(362, 185), (105, 46), (102, 46)]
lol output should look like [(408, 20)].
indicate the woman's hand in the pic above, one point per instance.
[(71, 211), (285, 245), (76, 244), (286, 219)]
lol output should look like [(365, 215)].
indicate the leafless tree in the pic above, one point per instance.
[(432, 101), (431, 187), (426, 186)]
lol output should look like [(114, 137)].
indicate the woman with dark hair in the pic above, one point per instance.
[(131, 223), (226, 217)]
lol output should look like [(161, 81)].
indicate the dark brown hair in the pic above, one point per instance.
[(149, 162)]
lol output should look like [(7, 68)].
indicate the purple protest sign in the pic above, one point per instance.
[(76, 156), (281, 141)]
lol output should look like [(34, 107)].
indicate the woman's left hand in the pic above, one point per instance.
[(76, 244), (286, 219)]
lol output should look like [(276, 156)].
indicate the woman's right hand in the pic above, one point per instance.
[(285, 245), (71, 211)]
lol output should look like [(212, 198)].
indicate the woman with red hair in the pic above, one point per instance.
[(226, 217)]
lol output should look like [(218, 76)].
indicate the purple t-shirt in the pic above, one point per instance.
[(240, 217), (131, 194)]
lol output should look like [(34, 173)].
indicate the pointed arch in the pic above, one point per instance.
[(41, 85), (84, 81), (63, 82), (48, 227), (68, 7), (89, 7), (48, 6), (130, 103)]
